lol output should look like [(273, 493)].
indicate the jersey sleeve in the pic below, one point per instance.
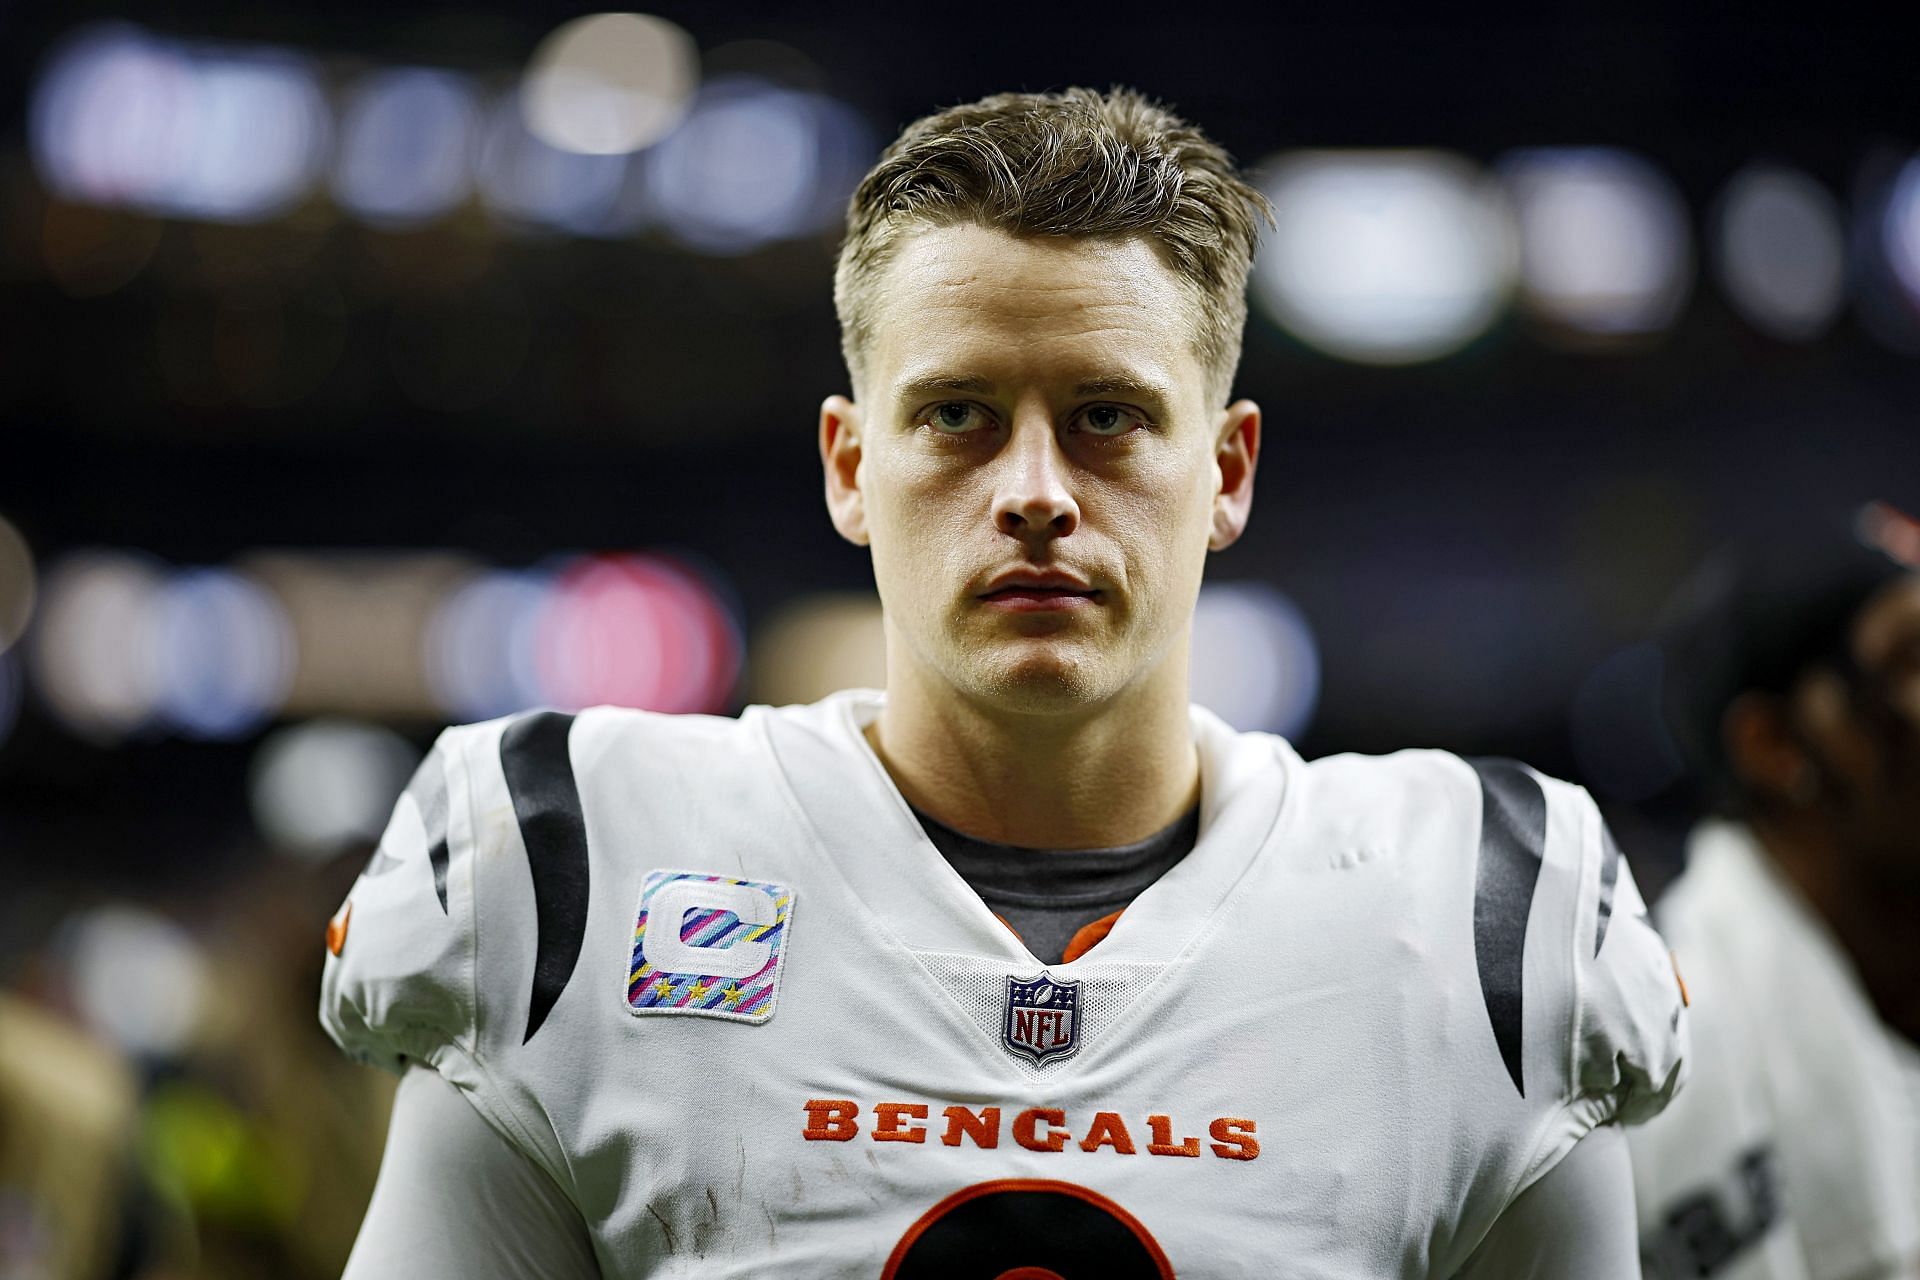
[(1575, 1223), (398, 984), (1631, 1034), (502, 1214)]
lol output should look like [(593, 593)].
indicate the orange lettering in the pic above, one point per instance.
[(830, 1120), (1233, 1138), (1027, 1121), (1108, 1130), (1161, 1131), (887, 1125), (984, 1128)]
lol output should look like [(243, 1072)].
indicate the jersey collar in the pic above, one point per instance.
[(868, 834)]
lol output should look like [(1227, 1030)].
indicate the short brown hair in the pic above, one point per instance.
[(1073, 163)]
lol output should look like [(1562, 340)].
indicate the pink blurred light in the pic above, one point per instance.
[(635, 631)]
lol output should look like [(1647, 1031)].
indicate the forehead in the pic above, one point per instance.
[(968, 299)]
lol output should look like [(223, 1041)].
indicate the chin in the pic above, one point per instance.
[(1037, 683)]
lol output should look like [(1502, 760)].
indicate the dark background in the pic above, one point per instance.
[(1468, 537)]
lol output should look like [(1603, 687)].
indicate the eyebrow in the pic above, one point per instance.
[(1107, 385)]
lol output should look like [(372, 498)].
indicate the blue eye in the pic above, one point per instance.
[(1110, 420), (953, 418)]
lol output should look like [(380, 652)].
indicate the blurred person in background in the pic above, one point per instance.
[(1794, 679), (204, 1130), (1024, 965), (68, 1131), (267, 1139)]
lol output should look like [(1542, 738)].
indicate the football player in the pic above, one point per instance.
[(1024, 966), (1795, 1154)]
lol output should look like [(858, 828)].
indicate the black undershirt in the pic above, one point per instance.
[(1047, 895)]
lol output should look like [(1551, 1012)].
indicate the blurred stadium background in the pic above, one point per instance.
[(384, 366)]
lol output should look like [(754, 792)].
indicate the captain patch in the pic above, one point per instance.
[(708, 945)]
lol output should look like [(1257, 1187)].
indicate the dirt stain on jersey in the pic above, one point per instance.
[(703, 1231), (665, 1229)]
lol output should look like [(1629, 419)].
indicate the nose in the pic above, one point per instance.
[(1032, 496)]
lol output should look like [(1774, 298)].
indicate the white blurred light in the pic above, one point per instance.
[(320, 786), (226, 134), (94, 655), (1604, 245), (820, 644), (225, 653), (609, 83), (17, 585), (1781, 251), (480, 645), (635, 631), (754, 163), (1900, 230), (526, 181), (137, 979), (1254, 660), (409, 141), (1388, 257), (109, 116)]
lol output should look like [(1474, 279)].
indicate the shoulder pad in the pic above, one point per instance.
[(1559, 922), (398, 980)]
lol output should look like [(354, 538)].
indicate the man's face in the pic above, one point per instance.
[(1886, 652), (1866, 732), (1033, 406)]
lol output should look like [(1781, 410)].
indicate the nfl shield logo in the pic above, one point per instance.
[(1043, 1018)]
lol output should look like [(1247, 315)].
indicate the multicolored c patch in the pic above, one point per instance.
[(708, 945)]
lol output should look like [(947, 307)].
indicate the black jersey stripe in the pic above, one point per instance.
[(546, 803), (1609, 872), (1513, 834), (428, 787), (429, 791)]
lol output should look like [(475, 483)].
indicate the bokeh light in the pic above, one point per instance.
[(235, 134), (754, 163), (609, 83), (1255, 663), (137, 979), (410, 138), (635, 631), (1604, 247), (480, 644), (1781, 251), (18, 584), (329, 783), (1900, 229), (1388, 257), (94, 656), (527, 182), (225, 653), (819, 644)]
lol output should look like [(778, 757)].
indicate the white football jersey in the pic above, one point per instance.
[(1795, 1154), (713, 977)]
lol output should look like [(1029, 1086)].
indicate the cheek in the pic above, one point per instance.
[(918, 521)]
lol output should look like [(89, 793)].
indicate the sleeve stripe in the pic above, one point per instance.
[(546, 803), (429, 791), (1513, 834), (1609, 872)]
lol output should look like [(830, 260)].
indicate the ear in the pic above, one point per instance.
[(840, 458), (1236, 451), (1764, 752)]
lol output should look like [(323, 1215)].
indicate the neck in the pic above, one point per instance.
[(1873, 926), (1090, 779)]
